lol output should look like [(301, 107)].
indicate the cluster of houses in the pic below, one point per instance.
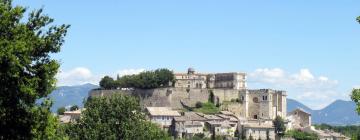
[(301, 120), (227, 124)]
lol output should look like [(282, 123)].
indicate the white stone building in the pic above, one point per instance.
[(162, 116), (191, 79), (298, 119), (258, 131)]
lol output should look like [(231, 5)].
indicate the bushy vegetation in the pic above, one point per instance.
[(114, 117), (143, 80), (206, 108), (61, 110), (355, 96), (299, 135), (279, 125), (27, 72), (351, 131)]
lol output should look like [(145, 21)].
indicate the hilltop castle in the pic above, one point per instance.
[(191, 79), (262, 103), (253, 109)]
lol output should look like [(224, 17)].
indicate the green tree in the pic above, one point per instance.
[(299, 135), (355, 96), (358, 19), (74, 107), (279, 126), (164, 76), (143, 80), (107, 83), (61, 110), (114, 117), (27, 72)]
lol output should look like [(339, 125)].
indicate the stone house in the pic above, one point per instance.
[(70, 116), (191, 123), (221, 128), (298, 119), (187, 125), (162, 116), (326, 134), (258, 131)]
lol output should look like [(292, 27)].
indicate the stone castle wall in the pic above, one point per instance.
[(180, 98), (176, 98)]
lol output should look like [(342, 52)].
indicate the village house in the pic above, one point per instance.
[(187, 125), (298, 119), (162, 116), (70, 116), (258, 131), (191, 123), (301, 120)]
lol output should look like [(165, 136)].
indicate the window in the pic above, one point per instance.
[(255, 100), (264, 98)]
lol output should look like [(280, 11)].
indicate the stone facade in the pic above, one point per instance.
[(254, 104), (258, 131), (191, 79), (299, 119)]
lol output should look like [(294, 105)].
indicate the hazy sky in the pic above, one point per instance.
[(307, 47)]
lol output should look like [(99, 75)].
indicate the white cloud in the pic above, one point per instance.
[(76, 76), (314, 91), (82, 75), (323, 78), (129, 71), (303, 75)]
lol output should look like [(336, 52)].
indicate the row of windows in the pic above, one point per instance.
[(163, 117)]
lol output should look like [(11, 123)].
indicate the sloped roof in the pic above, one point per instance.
[(162, 111)]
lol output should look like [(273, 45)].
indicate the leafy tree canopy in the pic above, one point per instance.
[(355, 96), (107, 83), (299, 135), (143, 80), (74, 107), (61, 110), (114, 117), (27, 72)]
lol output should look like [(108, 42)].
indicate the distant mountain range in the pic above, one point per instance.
[(66, 96), (337, 113)]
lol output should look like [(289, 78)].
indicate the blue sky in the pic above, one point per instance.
[(308, 48)]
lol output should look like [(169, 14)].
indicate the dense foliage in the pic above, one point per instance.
[(355, 96), (358, 19), (114, 117), (351, 131), (143, 80), (27, 72), (74, 107), (279, 125), (300, 135), (61, 110), (107, 83)]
